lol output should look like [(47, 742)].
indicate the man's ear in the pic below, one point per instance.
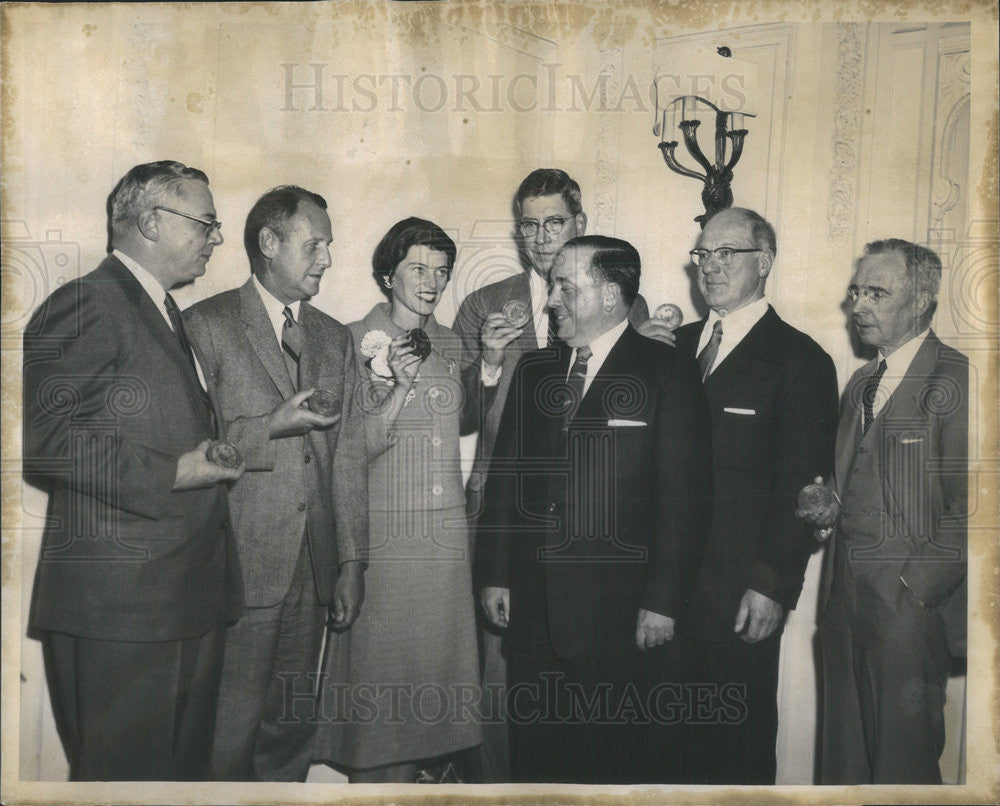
[(612, 296), (149, 225), (581, 223), (764, 262), (267, 241), (922, 301)]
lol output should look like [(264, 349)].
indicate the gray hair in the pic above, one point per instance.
[(144, 186)]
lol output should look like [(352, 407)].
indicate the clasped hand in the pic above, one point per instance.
[(291, 419), (194, 470), (823, 520)]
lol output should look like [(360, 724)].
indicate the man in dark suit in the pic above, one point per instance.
[(772, 394), (596, 511), (138, 574), (893, 599), (301, 512), (548, 209)]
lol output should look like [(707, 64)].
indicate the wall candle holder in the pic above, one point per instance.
[(718, 177)]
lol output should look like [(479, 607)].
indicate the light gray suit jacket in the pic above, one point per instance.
[(318, 478)]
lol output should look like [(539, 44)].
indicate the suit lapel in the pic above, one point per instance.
[(261, 336), (153, 320), (904, 404)]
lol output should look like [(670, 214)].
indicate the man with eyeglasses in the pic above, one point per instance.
[(301, 511), (772, 394), (138, 574), (548, 213), (893, 595)]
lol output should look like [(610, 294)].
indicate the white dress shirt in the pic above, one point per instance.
[(156, 293), (599, 348), (275, 308), (896, 366), (735, 326)]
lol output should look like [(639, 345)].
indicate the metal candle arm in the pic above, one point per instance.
[(717, 194)]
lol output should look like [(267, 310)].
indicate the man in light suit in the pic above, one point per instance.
[(138, 574), (596, 512), (548, 211), (300, 513), (893, 599), (772, 392)]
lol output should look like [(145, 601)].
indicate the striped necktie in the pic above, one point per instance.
[(291, 345), (868, 397), (706, 358)]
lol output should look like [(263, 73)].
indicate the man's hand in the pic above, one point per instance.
[(654, 328), (194, 470), (496, 605), (495, 336), (759, 615), (348, 594), (292, 419), (652, 629), (823, 520)]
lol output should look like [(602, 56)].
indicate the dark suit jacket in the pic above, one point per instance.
[(921, 441), (468, 324), (318, 477), (591, 524), (773, 403), (110, 403)]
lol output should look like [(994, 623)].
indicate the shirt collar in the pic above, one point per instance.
[(601, 346), (898, 362), (275, 307), (148, 282), (740, 321)]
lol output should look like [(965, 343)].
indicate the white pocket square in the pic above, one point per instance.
[(911, 440), (739, 411), (625, 423)]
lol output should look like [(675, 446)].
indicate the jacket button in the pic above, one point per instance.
[(436, 489), (436, 442), (552, 507), (308, 459), (302, 507)]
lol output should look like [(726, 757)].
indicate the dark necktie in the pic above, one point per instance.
[(178, 325), (575, 381), (291, 345), (868, 398), (706, 358)]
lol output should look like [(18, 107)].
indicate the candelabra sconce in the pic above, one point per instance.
[(718, 177)]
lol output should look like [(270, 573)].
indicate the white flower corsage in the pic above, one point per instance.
[(375, 346)]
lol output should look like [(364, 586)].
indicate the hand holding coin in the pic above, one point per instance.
[(223, 454), (670, 314), (820, 506), (323, 402), (420, 343), (516, 312)]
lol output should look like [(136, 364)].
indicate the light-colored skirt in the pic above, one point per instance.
[(403, 683)]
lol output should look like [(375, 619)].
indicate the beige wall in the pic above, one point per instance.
[(862, 131)]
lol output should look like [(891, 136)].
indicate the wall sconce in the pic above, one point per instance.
[(716, 194)]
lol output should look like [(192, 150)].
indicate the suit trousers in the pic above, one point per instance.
[(885, 664), (731, 719), (131, 711), (267, 702), (587, 720)]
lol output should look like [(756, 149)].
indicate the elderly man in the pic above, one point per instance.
[(596, 512), (138, 574), (548, 211), (772, 394), (893, 602), (301, 512)]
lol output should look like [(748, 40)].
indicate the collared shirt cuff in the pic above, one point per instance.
[(490, 375)]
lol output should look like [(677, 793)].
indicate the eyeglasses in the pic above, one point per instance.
[(873, 295), (211, 224), (723, 255), (553, 226)]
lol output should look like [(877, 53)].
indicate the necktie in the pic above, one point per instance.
[(178, 325), (868, 398), (706, 358), (291, 345), (576, 380)]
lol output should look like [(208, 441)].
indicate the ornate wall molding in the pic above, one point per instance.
[(608, 135), (848, 105)]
